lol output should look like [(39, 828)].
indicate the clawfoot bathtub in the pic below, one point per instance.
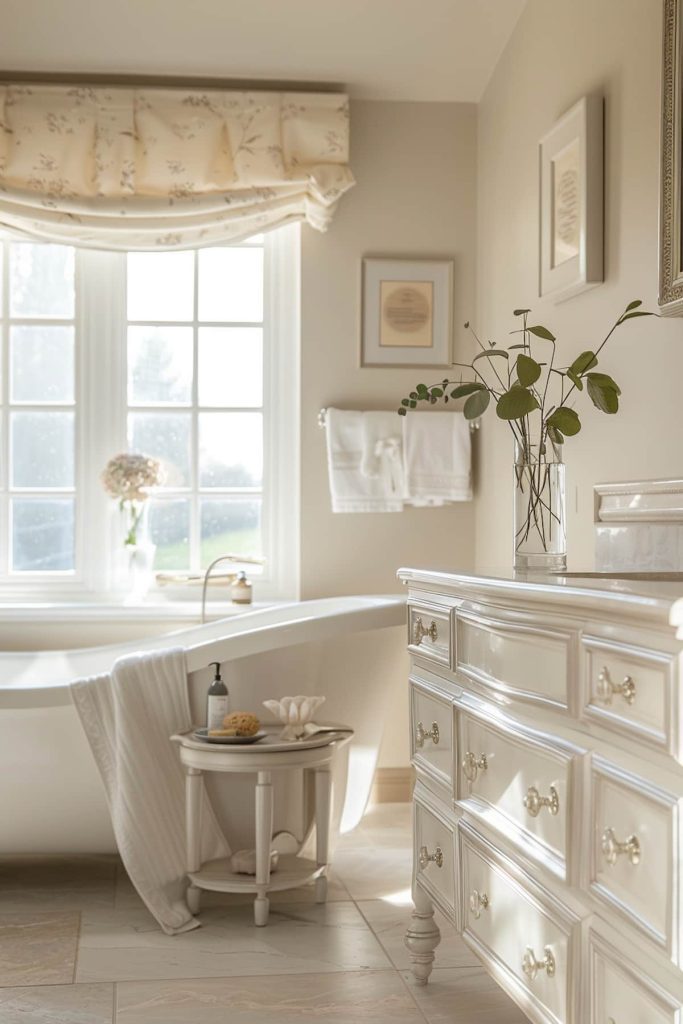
[(350, 649)]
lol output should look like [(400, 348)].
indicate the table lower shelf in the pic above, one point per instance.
[(291, 872)]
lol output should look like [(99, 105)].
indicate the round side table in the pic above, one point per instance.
[(262, 759)]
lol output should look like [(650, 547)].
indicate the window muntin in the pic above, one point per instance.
[(235, 370), (195, 397), (38, 492)]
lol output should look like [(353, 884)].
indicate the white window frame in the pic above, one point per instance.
[(101, 413)]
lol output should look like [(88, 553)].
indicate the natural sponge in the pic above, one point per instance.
[(243, 722)]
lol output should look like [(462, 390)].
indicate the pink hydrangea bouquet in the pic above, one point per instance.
[(127, 477)]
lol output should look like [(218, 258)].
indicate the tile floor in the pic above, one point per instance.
[(77, 946)]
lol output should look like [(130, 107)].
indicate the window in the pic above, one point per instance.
[(189, 357)]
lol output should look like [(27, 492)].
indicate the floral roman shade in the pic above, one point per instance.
[(123, 168)]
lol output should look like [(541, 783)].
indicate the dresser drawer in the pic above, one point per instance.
[(630, 689), (429, 632), (525, 943), (431, 740), (620, 992), (520, 661), (521, 781), (635, 851), (434, 853)]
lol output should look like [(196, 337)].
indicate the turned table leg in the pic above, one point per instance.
[(323, 804), (193, 824), (264, 834), (422, 937)]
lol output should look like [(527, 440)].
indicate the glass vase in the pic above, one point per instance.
[(135, 570), (540, 525)]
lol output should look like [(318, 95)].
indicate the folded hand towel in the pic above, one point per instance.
[(128, 718), (436, 458), (363, 457)]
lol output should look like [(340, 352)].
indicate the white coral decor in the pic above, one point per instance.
[(294, 713)]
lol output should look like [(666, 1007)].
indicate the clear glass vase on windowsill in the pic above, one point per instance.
[(540, 527)]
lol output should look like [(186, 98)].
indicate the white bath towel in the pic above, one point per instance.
[(364, 461), (128, 717), (437, 458)]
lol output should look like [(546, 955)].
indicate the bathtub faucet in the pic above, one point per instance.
[(242, 559)]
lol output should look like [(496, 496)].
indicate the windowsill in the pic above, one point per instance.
[(109, 611)]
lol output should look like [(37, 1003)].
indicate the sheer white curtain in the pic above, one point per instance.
[(122, 168)]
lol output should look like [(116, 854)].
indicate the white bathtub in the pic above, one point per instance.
[(351, 649)]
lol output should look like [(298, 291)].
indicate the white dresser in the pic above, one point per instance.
[(547, 740)]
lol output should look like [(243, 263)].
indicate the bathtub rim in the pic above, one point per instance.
[(335, 616)]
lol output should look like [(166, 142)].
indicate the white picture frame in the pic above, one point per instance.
[(571, 169), (406, 312)]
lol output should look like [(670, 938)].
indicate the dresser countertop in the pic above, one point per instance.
[(655, 595)]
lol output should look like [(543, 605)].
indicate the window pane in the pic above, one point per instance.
[(159, 365), (42, 534), (166, 437), (231, 284), (160, 285), (229, 526), (169, 523), (42, 449), (230, 449), (42, 364), (41, 280), (230, 366)]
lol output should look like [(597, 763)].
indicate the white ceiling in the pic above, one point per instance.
[(377, 49)]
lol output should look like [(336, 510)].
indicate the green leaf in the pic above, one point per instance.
[(468, 388), (403, 412), (520, 312), (565, 420), (515, 403), (555, 436), (510, 347), (633, 305), (413, 394), (576, 380), (542, 332), (413, 403), (422, 391), (603, 380), (476, 405), (528, 370), (637, 312), (437, 392), (491, 352), (405, 401), (586, 361)]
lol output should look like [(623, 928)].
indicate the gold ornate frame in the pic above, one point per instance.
[(670, 204)]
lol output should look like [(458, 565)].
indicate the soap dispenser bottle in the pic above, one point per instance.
[(241, 590), (217, 700)]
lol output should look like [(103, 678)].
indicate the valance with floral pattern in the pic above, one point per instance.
[(122, 168)]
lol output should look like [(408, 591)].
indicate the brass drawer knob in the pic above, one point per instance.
[(472, 765), (531, 966), (612, 849), (426, 858), (606, 689), (421, 734), (478, 901), (420, 631), (534, 802)]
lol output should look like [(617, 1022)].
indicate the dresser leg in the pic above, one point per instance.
[(422, 937), (264, 834), (193, 896)]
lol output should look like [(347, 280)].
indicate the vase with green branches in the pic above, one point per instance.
[(536, 398)]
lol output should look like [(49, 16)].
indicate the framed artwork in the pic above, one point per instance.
[(406, 312), (571, 194), (670, 204)]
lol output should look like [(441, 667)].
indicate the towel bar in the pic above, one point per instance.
[(322, 421)]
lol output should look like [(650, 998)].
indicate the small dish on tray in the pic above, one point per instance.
[(203, 735)]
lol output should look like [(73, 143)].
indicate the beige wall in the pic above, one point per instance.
[(558, 52), (415, 164)]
